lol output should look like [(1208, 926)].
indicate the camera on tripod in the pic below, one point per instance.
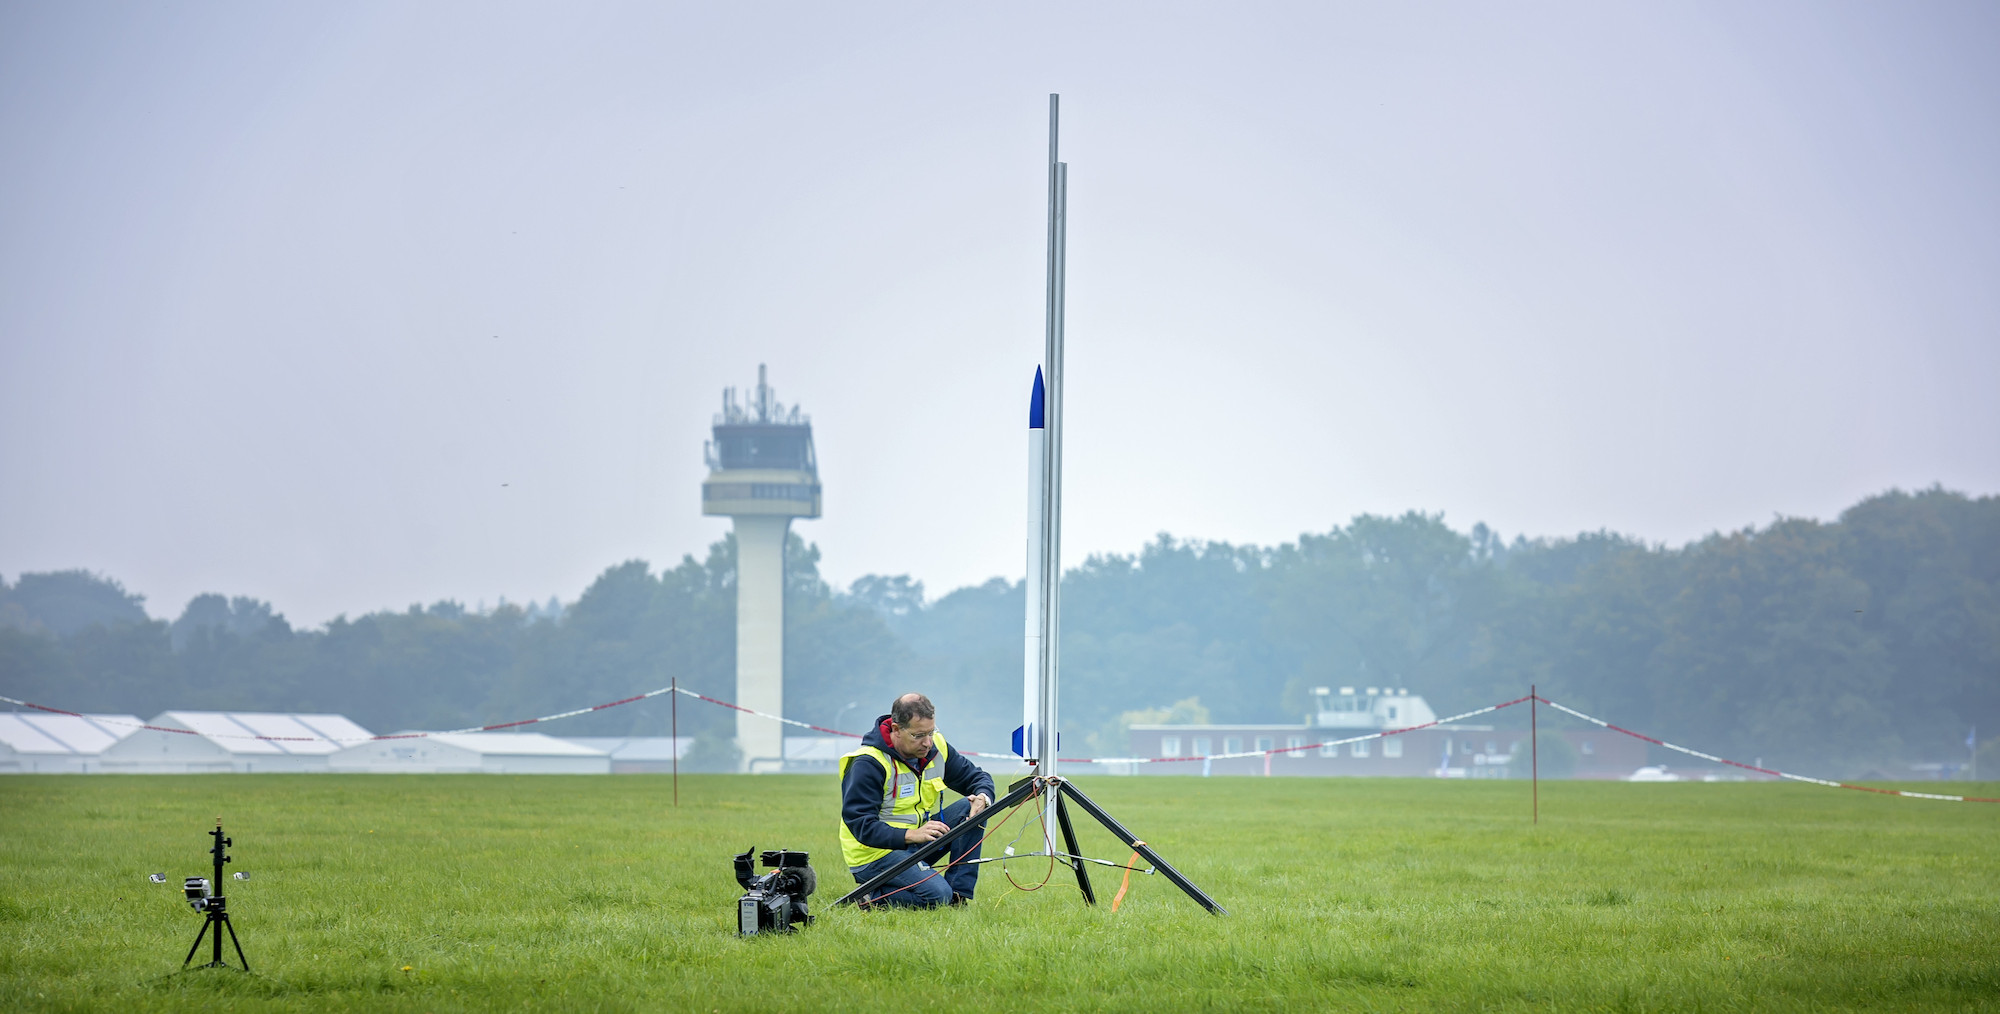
[(775, 901), (205, 895)]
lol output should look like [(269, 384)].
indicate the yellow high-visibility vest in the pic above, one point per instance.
[(907, 800)]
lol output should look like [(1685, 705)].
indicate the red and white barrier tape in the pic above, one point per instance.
[(808, 725), (495, 727), (1146, 760), (447, 733), (1384, 734), (780, 718), (1067, 760), (1427, 725), (349, 739), (1767, 771)]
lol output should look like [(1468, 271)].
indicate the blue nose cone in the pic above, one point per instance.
[(1035, 402)]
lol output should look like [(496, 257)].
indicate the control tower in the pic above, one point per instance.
[(761, 473)]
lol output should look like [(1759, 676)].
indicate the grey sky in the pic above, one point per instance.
[(353, 306)]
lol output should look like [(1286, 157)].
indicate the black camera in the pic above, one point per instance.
[(198, 892), (775, 901)]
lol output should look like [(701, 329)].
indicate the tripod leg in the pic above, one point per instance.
[(233, 940), (197, 944), (1069, 842), (1022, 790), (1069, 789)]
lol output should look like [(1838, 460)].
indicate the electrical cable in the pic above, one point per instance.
[(939, 870), (1046, 877)]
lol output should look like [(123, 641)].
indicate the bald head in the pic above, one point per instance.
[(910, 707)]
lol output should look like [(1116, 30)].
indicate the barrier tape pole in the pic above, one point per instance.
[(674, 744), (1762, 770)]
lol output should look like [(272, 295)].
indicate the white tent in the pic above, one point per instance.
[(492, 753), (232, 741), (35, 743)]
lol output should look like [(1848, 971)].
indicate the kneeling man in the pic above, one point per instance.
[(892, 802)]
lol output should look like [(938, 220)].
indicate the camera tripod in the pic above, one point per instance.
[(1063, 790), (217, 909)]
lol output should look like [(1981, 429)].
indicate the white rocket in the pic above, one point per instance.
[(1036, 739), (1026, 742)]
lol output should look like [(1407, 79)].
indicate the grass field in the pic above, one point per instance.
[(434, 893)]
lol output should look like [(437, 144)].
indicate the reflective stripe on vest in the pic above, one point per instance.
[(907, 800)]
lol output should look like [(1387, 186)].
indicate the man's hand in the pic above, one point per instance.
[(979, 803), (927, 833)]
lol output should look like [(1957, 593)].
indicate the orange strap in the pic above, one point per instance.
[(1127, 881)]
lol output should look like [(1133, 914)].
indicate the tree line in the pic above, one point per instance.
[(1843, 646)]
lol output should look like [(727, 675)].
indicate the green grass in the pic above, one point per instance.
[(433, 893)]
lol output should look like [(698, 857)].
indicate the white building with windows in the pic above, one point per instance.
[(38, 743), (1314, 747), (1411, 745)]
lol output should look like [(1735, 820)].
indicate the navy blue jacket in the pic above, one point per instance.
[(861, 790)]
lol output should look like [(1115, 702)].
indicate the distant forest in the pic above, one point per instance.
[(1833, 647)]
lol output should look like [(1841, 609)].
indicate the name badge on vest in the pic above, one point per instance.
[(906, 789)]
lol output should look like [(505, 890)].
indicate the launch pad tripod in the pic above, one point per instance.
[(1062, 789), (1036, 740), (215, 906)]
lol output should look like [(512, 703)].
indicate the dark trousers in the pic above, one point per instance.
[(922, 886)]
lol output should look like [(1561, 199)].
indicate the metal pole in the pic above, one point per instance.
[(1144, 850), (1534, 755), (1050, 721), (674, 744), (1075, 854), (215, 961)]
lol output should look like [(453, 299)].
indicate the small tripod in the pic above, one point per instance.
[(214, 906)]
